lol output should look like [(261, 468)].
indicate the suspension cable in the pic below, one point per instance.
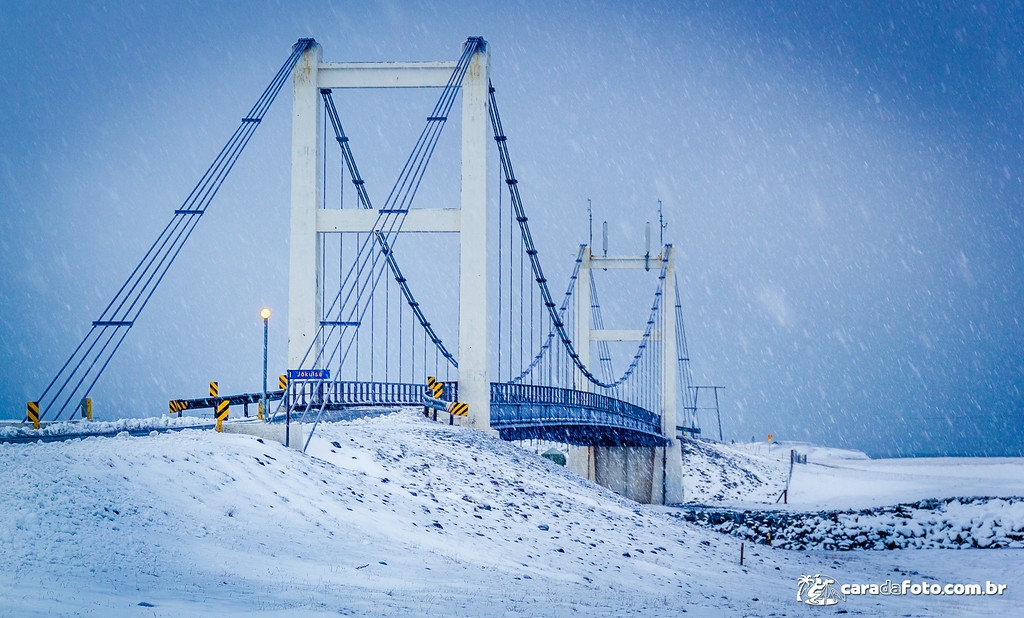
[(685, 371), (131, 299), (517, 204), (603, 349), (561, 312)]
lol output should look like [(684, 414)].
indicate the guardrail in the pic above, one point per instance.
[(179, 405)]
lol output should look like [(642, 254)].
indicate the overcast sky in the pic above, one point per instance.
[(843, 182)]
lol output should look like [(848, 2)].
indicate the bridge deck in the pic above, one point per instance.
[(518, 411), (523, 411)]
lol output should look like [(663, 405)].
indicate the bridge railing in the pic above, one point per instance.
[(350, 393), (551, 395), (517, 410), (523, 405)]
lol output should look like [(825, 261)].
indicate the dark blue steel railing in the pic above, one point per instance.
[(518, 411), (351, 394), (524, 411), (521, 394)]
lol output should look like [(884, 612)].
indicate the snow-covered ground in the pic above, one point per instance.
[(755, 474), (17, 429), (397, 515), (849, 479), (840, 499), (950, 523), (723, 473)]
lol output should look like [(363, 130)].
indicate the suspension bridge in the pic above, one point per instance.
[(529, 363)]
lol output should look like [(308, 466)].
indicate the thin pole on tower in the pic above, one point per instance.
[(661, 226), (718, 413), (590, 224), (647, 246)]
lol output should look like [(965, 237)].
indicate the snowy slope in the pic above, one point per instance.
[(715, 472), (391, 516)]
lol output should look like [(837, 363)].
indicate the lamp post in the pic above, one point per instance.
[(265, 314)]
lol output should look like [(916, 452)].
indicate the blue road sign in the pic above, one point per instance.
[(309, 374)]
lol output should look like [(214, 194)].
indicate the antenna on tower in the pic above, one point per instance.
[(647, 245), (590, 225), (661, 226), (604, 227)]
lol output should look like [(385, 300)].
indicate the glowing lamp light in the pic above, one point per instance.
[(265, 314)]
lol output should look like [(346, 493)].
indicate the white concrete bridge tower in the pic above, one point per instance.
[(309, 222)]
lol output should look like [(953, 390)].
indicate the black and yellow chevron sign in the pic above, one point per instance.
[(458, 409), (222, 412), (282, 382), (33, 413), (175, 406), (435, 388), (213, 389)]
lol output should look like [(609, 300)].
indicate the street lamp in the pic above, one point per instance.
[(265, 314)]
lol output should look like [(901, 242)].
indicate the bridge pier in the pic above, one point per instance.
[(634, 472), (580, 459), (628, 471)]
